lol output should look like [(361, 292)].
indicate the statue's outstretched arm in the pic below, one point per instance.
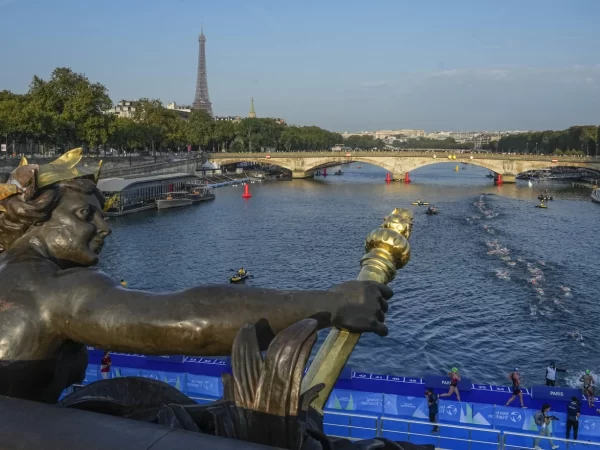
[(90, 307)]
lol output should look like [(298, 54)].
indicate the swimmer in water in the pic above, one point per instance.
[(454, 379), (516, 387), (588, 387)]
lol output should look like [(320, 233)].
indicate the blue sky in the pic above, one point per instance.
[(341, 65)]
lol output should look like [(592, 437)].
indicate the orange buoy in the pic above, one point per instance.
[(388, 178), (246, 193), (325, 172), (406, 178), (499, 180)]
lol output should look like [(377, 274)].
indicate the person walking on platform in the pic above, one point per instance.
[(542, 420), (516, 387), (105, 365), (432, 402), (551, 374), (573, 412), (454, 379)]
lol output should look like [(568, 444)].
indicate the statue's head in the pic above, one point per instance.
[(55, 209)]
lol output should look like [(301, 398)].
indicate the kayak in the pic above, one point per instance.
[(420, 203), (541, 206), (238, 279)]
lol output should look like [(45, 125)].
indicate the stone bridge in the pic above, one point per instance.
[(304, 164)]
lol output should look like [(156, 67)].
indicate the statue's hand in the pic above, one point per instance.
[(361, 306)]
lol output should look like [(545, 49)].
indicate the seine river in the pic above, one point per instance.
[(494, 283)]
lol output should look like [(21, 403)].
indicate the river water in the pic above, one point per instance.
[(493, 282)]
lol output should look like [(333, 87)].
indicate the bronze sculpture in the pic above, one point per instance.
[(52, 300)]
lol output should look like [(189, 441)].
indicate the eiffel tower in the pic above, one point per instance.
[(201, 101)]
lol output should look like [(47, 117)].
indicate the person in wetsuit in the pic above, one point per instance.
[(454, 379), (432, 403), (516, 387), (588, 387)]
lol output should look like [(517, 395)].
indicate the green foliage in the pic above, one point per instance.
[(576, 140), (364, 142), (68, 111), (448, 143)]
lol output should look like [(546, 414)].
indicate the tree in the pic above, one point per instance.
[(69, 110), (13, 124), (224, 134), (161, 127), (200, 128)]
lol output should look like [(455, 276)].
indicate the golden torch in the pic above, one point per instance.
[(387, 250)]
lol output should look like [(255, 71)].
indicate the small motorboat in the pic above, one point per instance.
[(359, 167), (490, 175), (173, 200), (237, 278), (432, 210), (420, 203), (545, 197), (541, 205), (338, 172)]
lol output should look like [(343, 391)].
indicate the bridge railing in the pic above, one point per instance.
[(408, 153)]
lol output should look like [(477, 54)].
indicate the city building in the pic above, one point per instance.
[(124, 109), (182, 111), (384, 134), (234, 119)]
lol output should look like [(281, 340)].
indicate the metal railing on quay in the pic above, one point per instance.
[(511, 440), (357, 426), (457, 437)]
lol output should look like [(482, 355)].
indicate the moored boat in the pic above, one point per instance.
[(173, 200), (596, 195), (201, 194)]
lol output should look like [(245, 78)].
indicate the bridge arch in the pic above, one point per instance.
[(398, 170), (304, 164), (276, 162)]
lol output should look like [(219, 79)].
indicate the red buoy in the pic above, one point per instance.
[(388, 178), (325, 172), (246, 193), (406, 178), (499, 180)]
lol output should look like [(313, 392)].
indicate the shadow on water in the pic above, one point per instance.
[(493, 282)]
